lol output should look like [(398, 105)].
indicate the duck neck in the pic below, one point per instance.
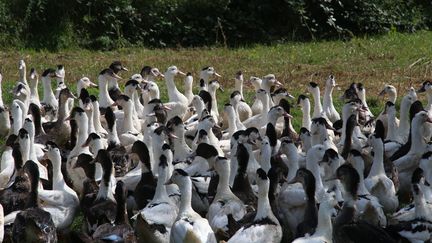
[(96, 117), (214, 108), (58, 180), (105, 188), (47, 90), (232, 127), (82, 131), (223, 184), (328, 99), (392, 98), (266, 108), (91, 127), (420, 204), (312, 165), (112, 135), (121, 214), (306, 119), (239, 86), (172, 88), (105, 99), (429, 98), (1, 95), (391, 127), (161, 192), (128, 118), (63, 110), (359, 166), (320, 136), (186, 197), (34, 89), (23, 75), (404, 125), (264, 209), (418, 143), (188, 90), (317, 103), (362, 96), (324, 227), (293, 167), (378, 159)]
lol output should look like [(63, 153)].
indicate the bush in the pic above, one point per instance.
[(108, 24)]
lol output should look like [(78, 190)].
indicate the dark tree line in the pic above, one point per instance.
[(105, 24)]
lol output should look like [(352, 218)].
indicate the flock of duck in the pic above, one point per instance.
[(136, 169)]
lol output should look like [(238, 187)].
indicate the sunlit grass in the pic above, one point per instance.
[(395, 58)]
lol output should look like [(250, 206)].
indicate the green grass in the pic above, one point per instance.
[(399, 59)]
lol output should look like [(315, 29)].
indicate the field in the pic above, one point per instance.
[(395, 58)]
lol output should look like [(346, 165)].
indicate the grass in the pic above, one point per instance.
[(396, 58)]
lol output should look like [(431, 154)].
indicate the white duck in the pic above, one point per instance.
[(189, 225), (34, 82), (377, 182), (178, 102), (224, 202), (243, 110), (7, 161), (257, 106), (161, 211), (314, 89), (188, 87), (105, 77), (205, 74), (265, 227), (49, 101), (213, 86), (5, 124), (61, 202), (328, 107), (304, 103)]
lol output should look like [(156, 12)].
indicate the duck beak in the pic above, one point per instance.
[(217, 75), (181, 73), (290, 96), (217, 126), (93, 85), (279, 84), (114, 104), (171, 135), (68, 118), (429, 119), (169, 182), (422, 89), (287, 115), (167, 108), (293, 181), (382, 93), (221, 89), (151, 114), (332, 178), (114, 75), (162, 75), (124, 69)]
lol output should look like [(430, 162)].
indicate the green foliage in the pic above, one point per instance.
[(110, 24)]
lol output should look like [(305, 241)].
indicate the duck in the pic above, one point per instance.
[(377, 182), (257, 106), (213, 86), (34, 83), (49, 101), (225, 202), (369, 208), (120, 230), (188, 86), (7, 160), (345, 227), (113, 87), (304, 103), (177, 101), (419, 227), (106, 77), (205, 74), (182, 151), (407, 163), (243, 110), (328, 107), (314, 89), (259, 120), (33, 224), (61, 202), (132, 89), (146, 187), (103, 208), (323, 232), (189, 225), (265, 227), (310, 221), (154, 221)]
